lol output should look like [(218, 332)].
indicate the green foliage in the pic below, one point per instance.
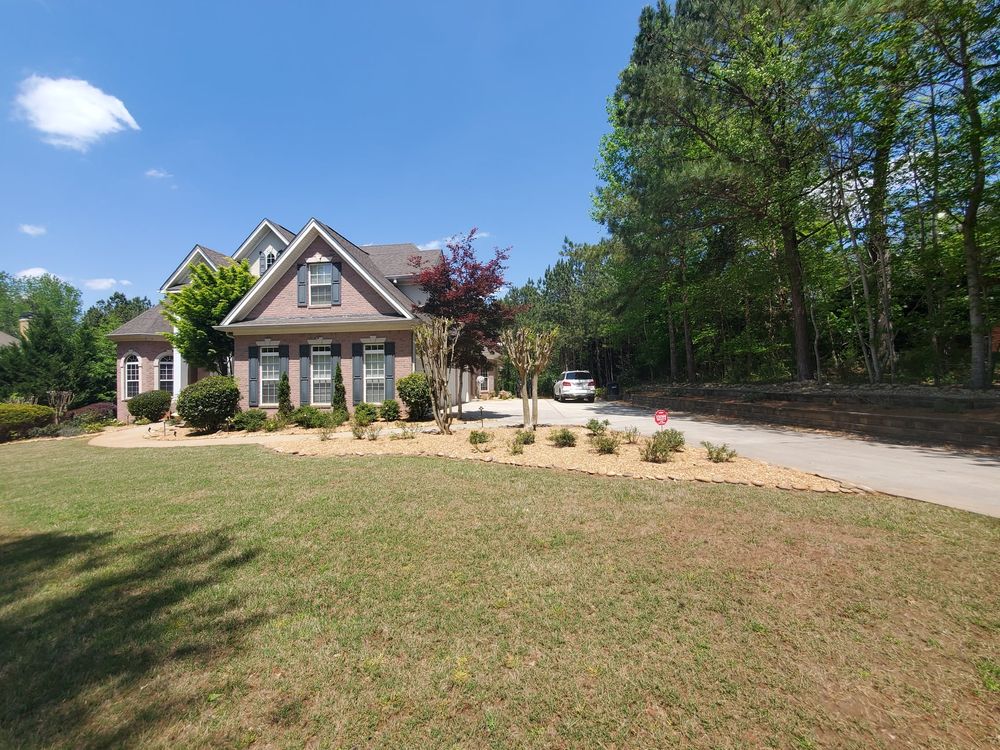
[(516, 447), (415, 391), (311, 417), (339, 394), (209, 403), (251, 420), (389, 410), (151, 405), (598, 426), (631, 435), (479, 438), (17, 419), (659, 448), (525, 437), (606, 444), (196, 309), (365, 413), (403, 432), (273, 424), (718, 454), (284, 397), (367, 431), (563, 438)]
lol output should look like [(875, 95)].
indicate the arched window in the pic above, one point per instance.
[(131, 375), (269, 259), (165, 372)]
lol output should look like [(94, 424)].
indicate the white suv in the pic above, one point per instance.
[(575, 384)]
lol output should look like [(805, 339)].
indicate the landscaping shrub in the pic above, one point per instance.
[(274, 424), (389, 410), (339, 402), (102, 410), (284, 397), (49, 430), (406, 432), (631, 435), (309, 416), (140, 421), (597, 426), (365, 413), (525, 437), (658, 448), (516, 447), (358, 429), (563, 438), (251, 420), (479, 438), (607, 444), (718, 454), (207, 404), (151, 405), (415, 391), (505, 395), (17, 419)]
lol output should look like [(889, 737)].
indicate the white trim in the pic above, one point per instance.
[(312, 380), (373, 340), (268, 342), (311, 231), (364, 371), (260, 376), (156, 370), (124, 369), (186, 263), (255, 236), (320, 342)]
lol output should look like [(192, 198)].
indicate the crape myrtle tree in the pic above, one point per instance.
[(196, 309), (464, 289)]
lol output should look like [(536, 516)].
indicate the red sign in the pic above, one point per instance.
[(661, 417)]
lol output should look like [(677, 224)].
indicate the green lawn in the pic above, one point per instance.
[(232, 597)]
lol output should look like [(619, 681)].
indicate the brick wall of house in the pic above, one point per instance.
[(404, 358), (356, 295), (147, 352)]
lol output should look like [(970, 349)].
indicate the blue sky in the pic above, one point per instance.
[(392, 122)]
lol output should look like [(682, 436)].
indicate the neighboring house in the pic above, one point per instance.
[(7, 340), (320, 300)]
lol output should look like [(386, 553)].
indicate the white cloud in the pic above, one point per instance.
[(32, 230), (32, 273), (103, 284), (158, 174), (70, 112), (439, 244), (432, 245)]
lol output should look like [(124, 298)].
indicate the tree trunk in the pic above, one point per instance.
[(525, 403), (534, 400), (800, 321), (672, 339), (458, 395), (686, 322)]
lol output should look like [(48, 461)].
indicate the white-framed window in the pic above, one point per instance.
[(131, 376), (321, 363), (320, 283), (269, 257), (270, 372), (165, 373), (374, 373)]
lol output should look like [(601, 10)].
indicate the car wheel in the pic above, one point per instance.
[(556, 396), (590, 399)]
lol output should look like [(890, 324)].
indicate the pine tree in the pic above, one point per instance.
[(339, 393)]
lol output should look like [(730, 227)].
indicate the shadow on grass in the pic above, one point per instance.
[(90, 625)]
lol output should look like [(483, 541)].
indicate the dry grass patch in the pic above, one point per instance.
[(412, 602)]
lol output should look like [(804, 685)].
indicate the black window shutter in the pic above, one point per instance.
[(304, 373), (303, 285), (357, 372), (283, 359), (263, 263), (335, 285), (390, 370), (253, 381)]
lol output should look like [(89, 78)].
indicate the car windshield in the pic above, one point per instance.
[(578, 375)]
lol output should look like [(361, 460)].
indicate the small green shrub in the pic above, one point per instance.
[(358, 429), (365, 413), (415, 392), (404, 432), (516, 447), (479, 438), (49, 430), (372, 431), (339, 394), (273, 424), (525, 437), (597, 426), (563, 438), (631, 435), (151, 405), (389, 410), (102, 410), (141, 421), (209, 403), (89, 427), (658, 448), (251, 420), (607, 444), (284, 397), (308, 416), (17, 419), (718, 454)]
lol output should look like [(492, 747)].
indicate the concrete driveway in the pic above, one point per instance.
[(954, 478)]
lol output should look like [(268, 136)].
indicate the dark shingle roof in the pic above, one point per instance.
[(286, 234), (219, 259), (7, 340), (394, 260), (149, 323)]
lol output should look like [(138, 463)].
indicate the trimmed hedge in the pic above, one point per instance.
[(415, 392), (365, 413), (17, 419), (207, 404), (93, 412), (151, 405), (389, 410)]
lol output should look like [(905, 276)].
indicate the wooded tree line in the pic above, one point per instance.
[(794, 190), (65, 348)]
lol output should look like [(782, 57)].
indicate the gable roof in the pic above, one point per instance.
[(394, 259), (213, 258), (265, 225), (7, 340), (148, 324), (354, 255)]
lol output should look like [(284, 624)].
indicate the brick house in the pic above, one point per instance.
[(319, 301)]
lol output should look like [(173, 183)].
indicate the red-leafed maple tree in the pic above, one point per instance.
[(464, 288)]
